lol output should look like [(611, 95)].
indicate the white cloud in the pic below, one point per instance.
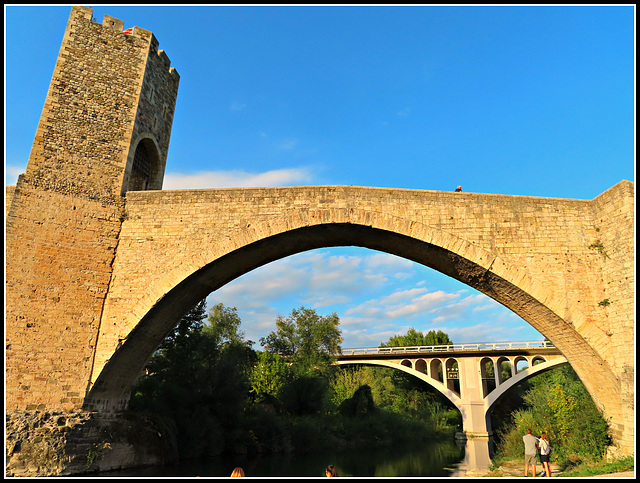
[(11, 174), (421, 304), (372, 304), (314, 277), (367, 309), (237, 179), (491, 331), (321, 301), (319, 279), (403, 303), (458, 310), (385, 260)]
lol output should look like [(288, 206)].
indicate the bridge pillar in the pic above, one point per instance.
[(472, 404)]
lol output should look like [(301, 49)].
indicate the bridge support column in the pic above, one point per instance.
[(477, 454), (472, 405)]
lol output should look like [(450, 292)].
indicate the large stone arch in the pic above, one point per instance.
[(294, 231)]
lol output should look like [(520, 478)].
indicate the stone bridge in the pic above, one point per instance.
[(101, 263), (471, 376), (533, 255)]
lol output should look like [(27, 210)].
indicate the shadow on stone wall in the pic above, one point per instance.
[(58, 444)]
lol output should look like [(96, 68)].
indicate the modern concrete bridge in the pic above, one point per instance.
[(469, 375)]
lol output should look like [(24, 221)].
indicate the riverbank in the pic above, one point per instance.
[(515, 468)]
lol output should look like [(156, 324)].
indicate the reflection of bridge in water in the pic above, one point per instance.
[(472, 376)]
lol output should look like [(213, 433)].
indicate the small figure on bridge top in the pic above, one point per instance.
[(459, 188)]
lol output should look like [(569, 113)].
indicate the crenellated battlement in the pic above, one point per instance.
[(139, 32), (112, 23), (112, 90)]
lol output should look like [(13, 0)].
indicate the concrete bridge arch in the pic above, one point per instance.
[(474, 406)]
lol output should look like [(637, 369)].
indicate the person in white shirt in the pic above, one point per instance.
[(545, 453)]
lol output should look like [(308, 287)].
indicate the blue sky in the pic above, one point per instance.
[(535, 101)]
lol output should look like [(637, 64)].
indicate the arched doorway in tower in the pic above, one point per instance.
[(144, 171)]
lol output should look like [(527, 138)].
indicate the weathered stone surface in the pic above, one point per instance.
[(98, 271), (56, 444)]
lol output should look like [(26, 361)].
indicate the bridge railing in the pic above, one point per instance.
[(497, 346)]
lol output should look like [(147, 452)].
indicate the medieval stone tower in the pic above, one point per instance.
[(104, 130)]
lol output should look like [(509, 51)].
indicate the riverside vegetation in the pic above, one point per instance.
[(557, 402), (209, 393)]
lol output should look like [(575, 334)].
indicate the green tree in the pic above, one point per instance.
[(305, 395), (311, 341), (349, 378), (414, 337), (224, 325), (397, 392), (191, 322), (557, 402), (360, 404), (197, 384), (269, 375)]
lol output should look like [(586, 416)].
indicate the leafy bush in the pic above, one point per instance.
[(559, 404), (360, 405), (305, 395)]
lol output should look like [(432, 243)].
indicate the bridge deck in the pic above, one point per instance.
[(485, 348)]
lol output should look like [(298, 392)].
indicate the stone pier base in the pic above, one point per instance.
[(58, 444)]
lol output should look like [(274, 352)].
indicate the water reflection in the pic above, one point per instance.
[(433, 459), (476, 455)]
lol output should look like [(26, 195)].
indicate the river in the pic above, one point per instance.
[(438, 459)]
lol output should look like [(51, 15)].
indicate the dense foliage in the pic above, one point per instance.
[(209, 392), (557, 402), (309, 340), (196, 383), (414, 337)]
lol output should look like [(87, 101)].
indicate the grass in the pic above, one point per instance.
[(509, 467), (626, 464)]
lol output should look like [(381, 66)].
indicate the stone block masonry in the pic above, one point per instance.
[(531, 254), (101, 264), (59, 252), (43, 443), (110, 94), (108, 91)]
